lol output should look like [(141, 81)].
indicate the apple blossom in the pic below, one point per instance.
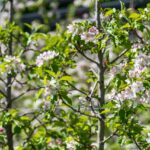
[(45, 56), (71, 145), (90, 36), (13, 63)]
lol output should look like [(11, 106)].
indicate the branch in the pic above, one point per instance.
[(74, 86), (109, 137), (118, 57), (30, 113), (3, 93), (92, 92), (94, 72), (29, 49), (88, 58), (21, 83), (31, 133), (141, 39), (3, 80), (138, 146), (78, 111), (77, 88), (90, 97), (22, 94)]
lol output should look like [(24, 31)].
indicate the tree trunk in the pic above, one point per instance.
[(101, 122), (8, 127), (101, 132)]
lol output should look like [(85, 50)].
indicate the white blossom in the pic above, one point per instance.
[(71, 145), (46, 104), (87, 36), (71, 28), (50, 88), (135, 47), (93, 31), (137, 71), (90, 36), (142, 60), (47, 91), (45, 57), (146, 97), (13, 63), (117, 69), (75, 28), (141, 63), (129, 92)]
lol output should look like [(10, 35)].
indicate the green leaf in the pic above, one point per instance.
[(66, 98), (109, 12), (51, 73), (134, 16), (13, 112), (2, 138), (45, 80), (17, 129), (105, 111), (127, 25), (66, 78), (25, 118), (122, 115), (40, 93)]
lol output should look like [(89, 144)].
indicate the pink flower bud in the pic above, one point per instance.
[(1, 129)]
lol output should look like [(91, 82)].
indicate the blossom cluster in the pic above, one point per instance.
[(12, 63), (71, 145), (141, 63), (46, 56), (117, 69), (87, 36), (75, 28), (132, 92), (55, 143), (90, 36), (49, 90), (135, 89)]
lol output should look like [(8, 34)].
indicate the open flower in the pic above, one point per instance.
[(45, 57), (90, 36), (13, 63)]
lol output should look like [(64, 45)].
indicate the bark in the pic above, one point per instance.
[(101, 122), (8, 127)]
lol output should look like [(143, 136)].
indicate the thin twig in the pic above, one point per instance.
[(141, 39), (109, 137), (76, 110), (22, 94), (85, 56), (77, 88), (118, 57), (3, 80), (138, 146), (90, 97), (3, 93)]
